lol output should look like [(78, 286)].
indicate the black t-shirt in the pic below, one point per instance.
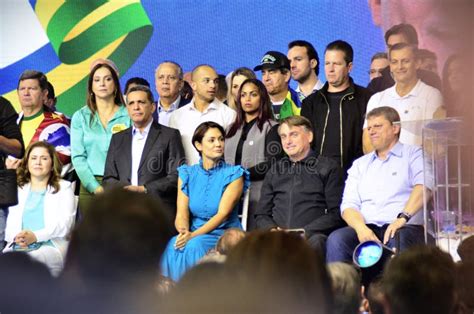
[(8, 126), (332, 141)]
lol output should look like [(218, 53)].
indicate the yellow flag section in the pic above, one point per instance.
[(82, 31)]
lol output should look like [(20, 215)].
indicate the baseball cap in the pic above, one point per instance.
[(273, 60)]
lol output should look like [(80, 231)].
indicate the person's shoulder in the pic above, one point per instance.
[(412, 150), (81, 113), (428, 89), (165, 129), (66, 185)]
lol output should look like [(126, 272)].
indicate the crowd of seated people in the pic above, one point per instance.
[(80, 242)]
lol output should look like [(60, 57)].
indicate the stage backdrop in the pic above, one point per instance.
[(61, 38)]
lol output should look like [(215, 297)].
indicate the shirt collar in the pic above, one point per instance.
[(212, 105), (316, 87), (415, 91), (397, 150), (145, 131), (173, 106)]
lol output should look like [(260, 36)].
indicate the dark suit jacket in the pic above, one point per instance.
[(162, 154)]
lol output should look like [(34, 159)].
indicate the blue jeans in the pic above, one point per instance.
[(342, 242), (3, 224)]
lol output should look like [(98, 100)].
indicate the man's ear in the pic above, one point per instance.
[(349, 67), (313, 63), (311, 136), (287, 76)]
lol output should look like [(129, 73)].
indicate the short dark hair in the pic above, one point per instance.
[(401, 46), (420, 280), (406, 30), (135, 80), (343, 46), (122, 239), (296, 121), (142, 88), (34, 75), (426, 54), (387, 112), (202, 129), (379, 55), (310, 51)]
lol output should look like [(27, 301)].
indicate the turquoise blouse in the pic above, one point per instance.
[(90, 143)]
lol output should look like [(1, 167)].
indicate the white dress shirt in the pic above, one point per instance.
[(187, 118), (138, 143)]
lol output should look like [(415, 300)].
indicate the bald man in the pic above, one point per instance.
[(203, 107)]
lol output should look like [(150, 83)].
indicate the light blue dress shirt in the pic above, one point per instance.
[(379, 189)]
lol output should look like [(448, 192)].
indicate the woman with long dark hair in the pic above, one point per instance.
[(253, 141), (92, 127)]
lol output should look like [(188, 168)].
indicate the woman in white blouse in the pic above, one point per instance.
[(46, 209)]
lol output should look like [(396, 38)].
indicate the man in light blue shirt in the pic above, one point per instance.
[(383, 195)]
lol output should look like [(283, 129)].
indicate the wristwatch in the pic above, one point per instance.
[(405, 215)]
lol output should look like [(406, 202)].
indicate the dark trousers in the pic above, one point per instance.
[(342, 242)]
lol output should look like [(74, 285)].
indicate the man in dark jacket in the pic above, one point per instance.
[(301, 191), (11, 143), (337, 111)]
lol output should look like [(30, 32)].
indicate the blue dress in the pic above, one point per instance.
[(204, 189)]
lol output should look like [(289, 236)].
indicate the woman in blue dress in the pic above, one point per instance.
[(208, 194)]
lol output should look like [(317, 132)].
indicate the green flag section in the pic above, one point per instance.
[(130, 21)]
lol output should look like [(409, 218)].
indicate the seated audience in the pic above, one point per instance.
[(228, 240), (252, 140), (465, 287), (40, 223), (466, 249), (346, 288), (375, 296), (303, 190), (26, 285), (383, 195), (112, 262), (208, 194), (420, 280), (237, 77), (287, 265)]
